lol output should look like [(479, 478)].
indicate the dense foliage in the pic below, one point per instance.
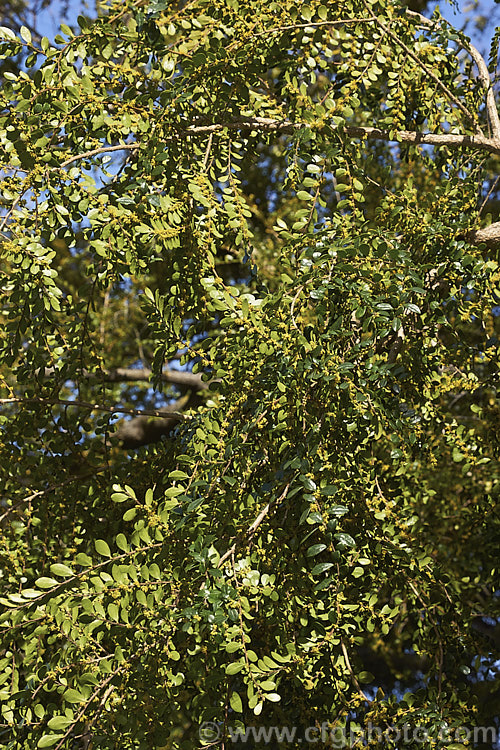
[(261, 222)]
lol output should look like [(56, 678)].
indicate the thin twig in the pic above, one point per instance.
[(101, 150), (313, 25), (292, 306), (351, 672), (207, 152), (490, 191), (33, 496), (253, 526), (85, 707)]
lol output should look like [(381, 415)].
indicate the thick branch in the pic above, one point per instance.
[(452, 140), (176, 377), (148, 425), (490, 236), (135, 375), (144, 430), (265, 124)]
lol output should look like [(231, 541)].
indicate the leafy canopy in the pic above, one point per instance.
[(279, 201)]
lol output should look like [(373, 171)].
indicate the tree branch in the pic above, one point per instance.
[(351, 672), (144, 429), (95, 151), (265, 124), (176, 377), (490, 236), (415, 137), (138, 375)]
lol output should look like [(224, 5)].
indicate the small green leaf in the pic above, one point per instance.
[(337, 511), (83, 560), (102, 548), (330, 489), (46, 583), (25, 34), (235, 702), (58, 569), (48, 740), (178, 475), (365, 677), (121, 542), (320, 568), (345, 540), (273, 697), (73, 696), (114, 612), (59, 722), (268, 685), (234, 667), (66, 30), (315, 549), (119, 497)]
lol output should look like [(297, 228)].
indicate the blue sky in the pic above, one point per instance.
[(48, 20), (486, 11)]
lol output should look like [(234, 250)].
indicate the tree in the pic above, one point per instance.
[(258, 229)]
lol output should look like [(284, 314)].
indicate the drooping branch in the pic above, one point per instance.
[(453, 140), (428, 72), (484, 76), (164, 414), (490, 236)]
